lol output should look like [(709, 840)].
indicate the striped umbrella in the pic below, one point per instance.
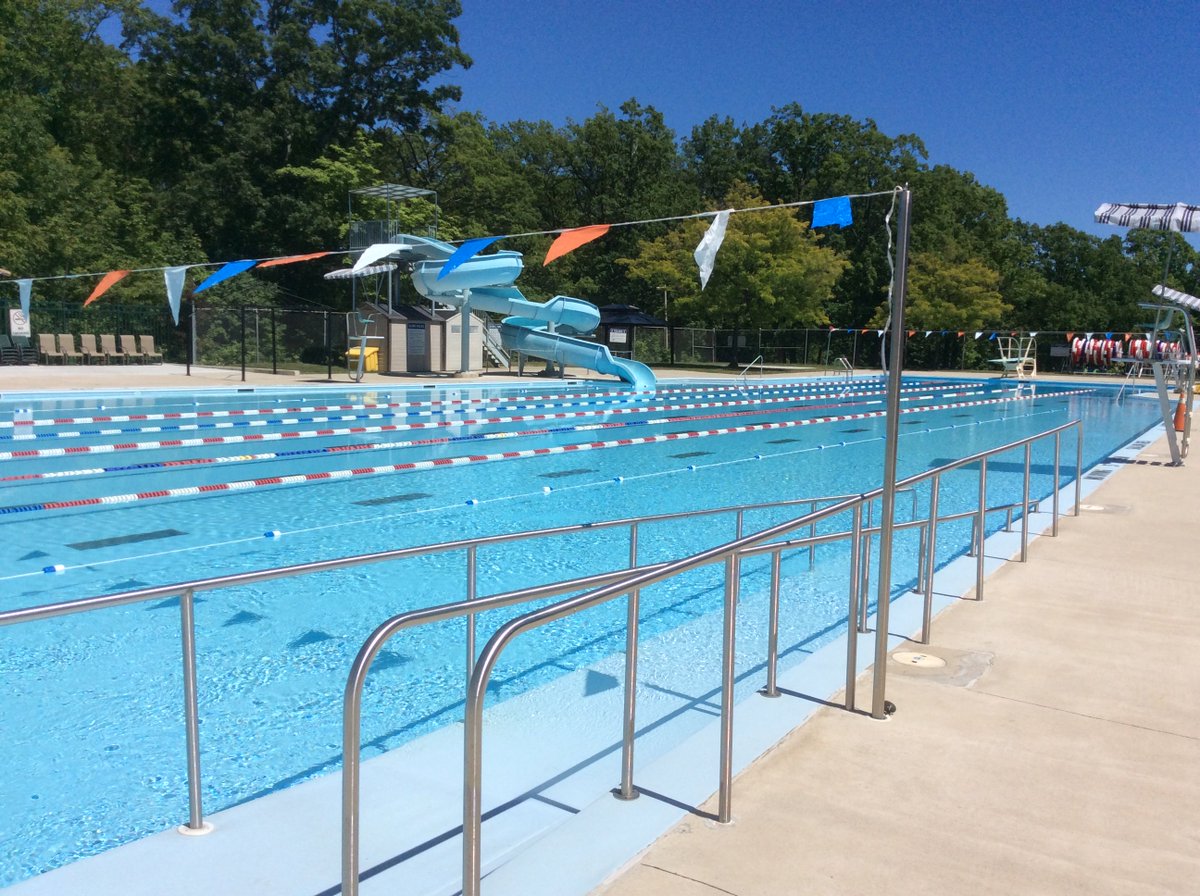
[(1179, 217), (1179, 298)]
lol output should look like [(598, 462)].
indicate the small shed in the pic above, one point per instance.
[(619, 325), (424, 340)]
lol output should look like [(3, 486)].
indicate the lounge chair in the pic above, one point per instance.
[(108, 345), (91, 353), (8, 351), (66, 345), (27, 352), (48, 350), (130, 350), (147, 345)]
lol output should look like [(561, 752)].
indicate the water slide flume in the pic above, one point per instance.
[(549, 330)]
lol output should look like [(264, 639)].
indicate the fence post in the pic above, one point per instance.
[(242, 312), (274, 356), (328, 349)]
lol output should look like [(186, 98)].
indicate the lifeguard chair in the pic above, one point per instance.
[(1018, 356), (360, 357)]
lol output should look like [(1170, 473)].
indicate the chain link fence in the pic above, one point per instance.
[(314, 339)]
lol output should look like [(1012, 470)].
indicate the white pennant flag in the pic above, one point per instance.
[(174, 278), (706, 252), (373, 253)]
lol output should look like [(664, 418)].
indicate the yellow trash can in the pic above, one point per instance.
[(370, 358)]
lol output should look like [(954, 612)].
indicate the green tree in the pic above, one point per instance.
[(770, 272), (962, 295)]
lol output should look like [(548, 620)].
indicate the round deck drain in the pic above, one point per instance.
[(918, 659)]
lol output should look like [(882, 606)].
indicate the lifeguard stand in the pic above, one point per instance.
[(1018, 356), (364, 233), (1174, 368)]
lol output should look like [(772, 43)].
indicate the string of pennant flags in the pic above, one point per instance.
[(826, 213)]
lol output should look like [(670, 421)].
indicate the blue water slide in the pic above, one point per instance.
[(545, 330)]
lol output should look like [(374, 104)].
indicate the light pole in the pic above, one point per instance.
[(665, 318)]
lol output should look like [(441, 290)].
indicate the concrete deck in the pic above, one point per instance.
[(1056, 751)]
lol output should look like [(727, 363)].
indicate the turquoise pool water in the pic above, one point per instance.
[(105, 493)]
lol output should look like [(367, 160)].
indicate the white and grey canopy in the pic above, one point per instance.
[(1179, 216)]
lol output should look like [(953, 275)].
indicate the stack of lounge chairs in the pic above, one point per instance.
[(62, 348)]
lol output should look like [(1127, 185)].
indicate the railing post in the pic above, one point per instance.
[(1054, 491), (852, 610), (1078, 465), (191, 712), (930, 559), (627, 790), (724, 797), (1025, 506), (772, 688), (472, 568), (980, 528), (864, 581)]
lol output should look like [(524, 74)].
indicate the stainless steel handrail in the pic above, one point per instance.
[(746, 369), (630, 583), (186, 592)]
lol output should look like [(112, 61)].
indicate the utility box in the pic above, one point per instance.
[(370, 359)]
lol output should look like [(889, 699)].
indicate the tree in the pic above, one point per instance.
[(237, 90), (942, 294), (770, 272)]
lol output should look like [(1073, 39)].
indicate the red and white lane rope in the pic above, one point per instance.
[(159, 444), (269, 481)]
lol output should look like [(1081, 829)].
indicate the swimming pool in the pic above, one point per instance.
[(110, 493)]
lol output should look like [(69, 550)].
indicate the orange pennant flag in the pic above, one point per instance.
[(291, 259), (102, 287), (570, 240)]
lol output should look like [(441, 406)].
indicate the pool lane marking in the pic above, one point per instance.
[(813, 396), (379, 446), (460, 460), (456, 404), (375, 519), (820, 390), (28, 453)]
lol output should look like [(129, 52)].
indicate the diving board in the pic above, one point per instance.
[(1018, 356)]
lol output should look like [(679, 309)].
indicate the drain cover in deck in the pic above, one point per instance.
[(924, 660)]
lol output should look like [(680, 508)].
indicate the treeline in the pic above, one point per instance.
[(237, 129)]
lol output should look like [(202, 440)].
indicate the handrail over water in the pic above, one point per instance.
[(631, 584), (605, 586)]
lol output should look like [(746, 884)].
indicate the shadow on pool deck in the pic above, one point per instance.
[(1055, 752)]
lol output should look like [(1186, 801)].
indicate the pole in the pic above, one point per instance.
[(274, 355), (191, 339), (243, 315), (328, 349), (888, 500)]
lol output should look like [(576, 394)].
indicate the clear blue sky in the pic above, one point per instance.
[(1059, 104)]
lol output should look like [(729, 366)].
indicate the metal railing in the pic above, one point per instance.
[(631, 582), (606, 586), (187, 591), (746, 370)]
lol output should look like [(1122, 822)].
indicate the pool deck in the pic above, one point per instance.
[(1055, 751)]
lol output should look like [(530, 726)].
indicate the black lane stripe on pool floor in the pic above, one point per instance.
[(125, 539)]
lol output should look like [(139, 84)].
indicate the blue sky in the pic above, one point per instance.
[(1060, 104)]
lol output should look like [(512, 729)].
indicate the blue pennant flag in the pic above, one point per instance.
[(230, 269), (832, 211), (465, 252)]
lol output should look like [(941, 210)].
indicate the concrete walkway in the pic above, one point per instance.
[(1056, 750)]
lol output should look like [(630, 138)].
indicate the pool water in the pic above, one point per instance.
[(105, 493)]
